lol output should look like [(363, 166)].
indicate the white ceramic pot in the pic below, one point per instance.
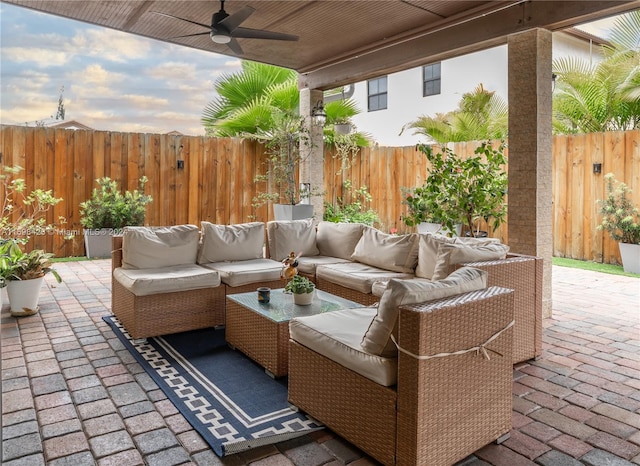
[(630, 257), (303, 299), (426, 227), (292, 212), (97, 243), (24, 296)]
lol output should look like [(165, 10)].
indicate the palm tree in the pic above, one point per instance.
[(248, 101), (603, 96), (481, 115)]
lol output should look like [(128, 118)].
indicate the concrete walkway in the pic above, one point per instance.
[(72, 395)]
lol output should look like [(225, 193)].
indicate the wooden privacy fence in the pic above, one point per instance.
[(217, 181)]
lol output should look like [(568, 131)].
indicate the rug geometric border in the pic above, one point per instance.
[(223, 424)]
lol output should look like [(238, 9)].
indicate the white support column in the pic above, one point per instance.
[(530, 149), (312, 167)]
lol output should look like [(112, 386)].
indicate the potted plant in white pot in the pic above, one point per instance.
[(108, 211), (24, 273), (621, 219), (464, 191), (423, 211), (23, 214), (302, 289), (288, 142)]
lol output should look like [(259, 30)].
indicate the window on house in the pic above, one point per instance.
[(377, 92), (431, 79)]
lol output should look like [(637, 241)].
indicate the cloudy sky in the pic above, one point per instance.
[(112, 80)]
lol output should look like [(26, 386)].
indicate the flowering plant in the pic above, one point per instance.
[(620, 218)]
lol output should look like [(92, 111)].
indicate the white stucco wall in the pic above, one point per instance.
[(459, 75)]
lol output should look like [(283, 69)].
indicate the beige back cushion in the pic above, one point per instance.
[(243, 241), (157, 247), (297, 236), (428, 245), (338, 239), (377, 340), (449, 255), (398, 253)]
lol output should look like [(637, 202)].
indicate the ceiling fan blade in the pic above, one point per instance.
[(246, 33), (235, 47), (182, 19), (191, 35), (233, 21)]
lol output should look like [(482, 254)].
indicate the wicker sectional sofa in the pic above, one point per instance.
[(353, 261)]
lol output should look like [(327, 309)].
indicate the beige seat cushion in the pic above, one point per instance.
[(297, 236), (449, 255), (157, 247), (356, 276), (238, 273), (144, 282), (336, 335), (308, 264), (428, 244), (242, 241), (338, 239), (376, 339), (398, 253)]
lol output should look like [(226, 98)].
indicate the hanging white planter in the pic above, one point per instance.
[(342, 128), (24, 296)]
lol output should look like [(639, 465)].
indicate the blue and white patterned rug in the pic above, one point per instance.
[(225, 396)]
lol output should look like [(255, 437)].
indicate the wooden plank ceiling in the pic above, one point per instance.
[(340, 41)]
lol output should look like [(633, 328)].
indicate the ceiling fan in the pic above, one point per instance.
[(225, 28)]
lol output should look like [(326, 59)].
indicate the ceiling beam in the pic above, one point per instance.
[(455, 39)]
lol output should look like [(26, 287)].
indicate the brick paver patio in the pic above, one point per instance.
[(72, 395)]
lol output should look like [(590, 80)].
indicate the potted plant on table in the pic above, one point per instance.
[(302, 289), (460, 190), (24, 274), (108, 211), (621, 219)]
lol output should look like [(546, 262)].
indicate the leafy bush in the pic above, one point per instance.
[(352, 211), (461, 190), (620, 218), (23, 211), (109, 208)]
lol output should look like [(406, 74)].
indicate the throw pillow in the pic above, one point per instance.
[(155, 247), (243, 241), (376, 339), (298, 236), (398, 253), (428, 245), (338, 239), (449, 255)]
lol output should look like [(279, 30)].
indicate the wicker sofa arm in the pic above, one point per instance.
[(453, 404), (524, 275)]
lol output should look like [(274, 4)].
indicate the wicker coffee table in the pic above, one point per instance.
[(261, 331)]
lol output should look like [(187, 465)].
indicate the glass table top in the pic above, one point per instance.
[(281, 308)]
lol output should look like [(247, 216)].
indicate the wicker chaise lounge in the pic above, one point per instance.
[(442, 408)]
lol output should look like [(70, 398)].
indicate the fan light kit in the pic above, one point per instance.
[(225, 28)]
